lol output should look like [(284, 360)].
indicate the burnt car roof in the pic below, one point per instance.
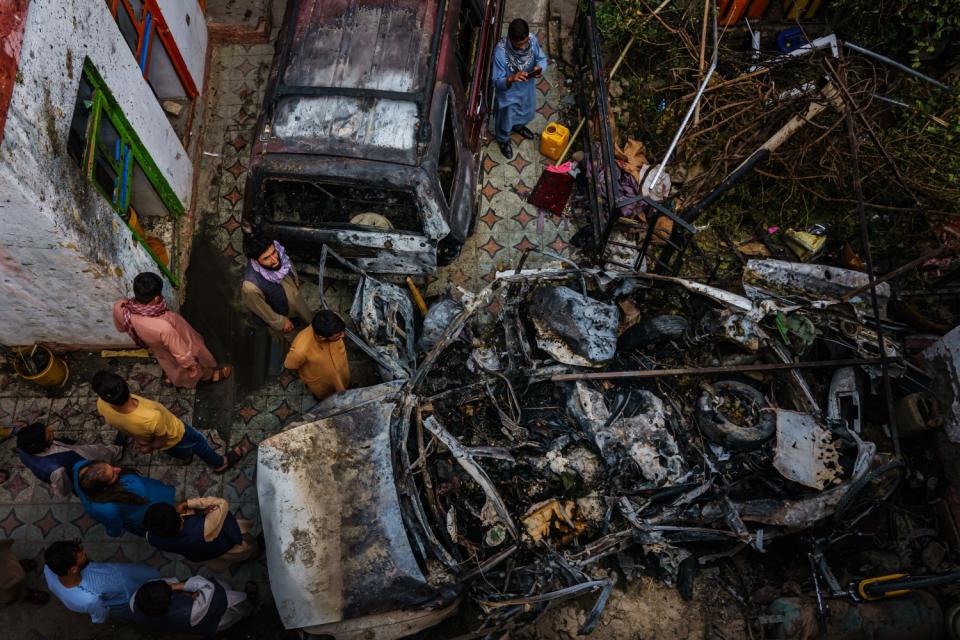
[(353, 78), (360, 44)]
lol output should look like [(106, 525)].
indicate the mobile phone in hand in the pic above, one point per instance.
[(536, 73)]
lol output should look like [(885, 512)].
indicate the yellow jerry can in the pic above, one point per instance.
[(554, 140)]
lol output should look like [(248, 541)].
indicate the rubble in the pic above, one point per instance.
[(636, 416), (573, 328), (540, 475)]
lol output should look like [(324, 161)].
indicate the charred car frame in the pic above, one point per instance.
[(371, 126)]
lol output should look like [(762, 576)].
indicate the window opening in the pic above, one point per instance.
[(319, 204), (447, 162), (112, 156), (143, 197), (154, 49), (128, 29), (162, 75), (77, 138), (468, 37)]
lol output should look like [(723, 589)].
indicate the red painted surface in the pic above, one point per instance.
[(13, 20)]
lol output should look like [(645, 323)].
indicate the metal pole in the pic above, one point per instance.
[(690, 110), (613, 72), (704, 371), (895, 64), (868, 258)]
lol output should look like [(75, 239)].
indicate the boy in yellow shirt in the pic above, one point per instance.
[(152, 426)]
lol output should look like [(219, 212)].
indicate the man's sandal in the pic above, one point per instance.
[(221, 374), (233, 456)]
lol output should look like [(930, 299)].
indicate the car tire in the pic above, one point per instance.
[(655, 331), (725, 430)]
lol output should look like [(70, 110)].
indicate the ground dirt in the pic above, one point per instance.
[(641, 609)]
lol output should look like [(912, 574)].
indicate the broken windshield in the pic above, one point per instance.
[(320, 204)]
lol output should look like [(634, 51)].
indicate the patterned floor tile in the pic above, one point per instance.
[(18, 488), (240, 486), (11, 521), (201, 484), (32, 409)]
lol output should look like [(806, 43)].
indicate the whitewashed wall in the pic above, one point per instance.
[(65, 256)]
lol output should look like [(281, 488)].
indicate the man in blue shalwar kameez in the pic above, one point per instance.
[(518, 61)]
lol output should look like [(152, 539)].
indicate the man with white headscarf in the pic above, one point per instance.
[(518, 61)]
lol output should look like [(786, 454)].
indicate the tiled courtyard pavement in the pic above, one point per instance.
[(507, 226)]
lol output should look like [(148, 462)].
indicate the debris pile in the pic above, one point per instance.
[(615, 425)]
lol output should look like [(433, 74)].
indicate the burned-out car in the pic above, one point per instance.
[(528, 462), (371, 125)]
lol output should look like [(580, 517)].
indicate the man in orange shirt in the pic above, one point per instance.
[(319, 355)]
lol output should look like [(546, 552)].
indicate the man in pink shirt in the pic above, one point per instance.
[(178, 348)]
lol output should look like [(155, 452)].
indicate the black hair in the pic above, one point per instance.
[(110, 387), (326, 323), (153, 598), (93, 483), (32, 438), (61, 556), (162, 520), (146, 287), (254, 246), (518, 30)]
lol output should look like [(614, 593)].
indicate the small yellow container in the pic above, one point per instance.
[(554, 140), (55, 374), (796, 9)]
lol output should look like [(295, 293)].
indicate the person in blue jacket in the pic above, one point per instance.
[(518, 61), (117, 497), (51, 459)]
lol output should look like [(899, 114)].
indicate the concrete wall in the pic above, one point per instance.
[(65, 255), (188, 27)]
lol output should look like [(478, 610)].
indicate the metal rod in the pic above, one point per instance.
[(613, 72), (939, 121), (896, 272), (703, 371), (690, 110), (703, 52), (868, 258), (873, 135), (895, 64)]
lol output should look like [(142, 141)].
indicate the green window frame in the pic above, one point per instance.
[(111, 153)]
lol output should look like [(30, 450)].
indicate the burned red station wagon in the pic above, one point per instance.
[(370, 131)]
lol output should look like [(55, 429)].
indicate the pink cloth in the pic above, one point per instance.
[(561, 168), (178, 348), (131, 307)]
